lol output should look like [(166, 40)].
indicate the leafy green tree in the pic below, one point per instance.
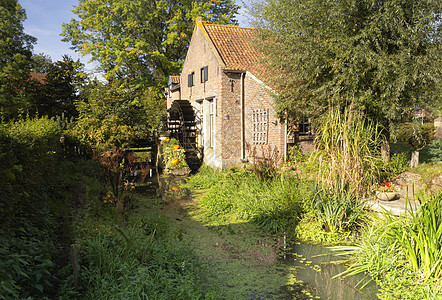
[(111, 118), (380, 56), (15, 58), (41, 63), (63, 82), (141, 41), (56, 93)]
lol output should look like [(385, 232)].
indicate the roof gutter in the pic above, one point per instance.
[(233, 71), (242, 118)]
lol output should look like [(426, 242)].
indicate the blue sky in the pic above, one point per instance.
[(44, 19)]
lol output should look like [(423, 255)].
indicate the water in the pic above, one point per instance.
[(314, 268)]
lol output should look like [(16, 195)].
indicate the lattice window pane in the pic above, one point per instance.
[(260, 126)]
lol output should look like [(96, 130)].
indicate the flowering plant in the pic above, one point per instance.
[(385, 186), (173, 157)]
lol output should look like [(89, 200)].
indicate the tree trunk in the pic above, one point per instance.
[(414, 159), (385, 150)]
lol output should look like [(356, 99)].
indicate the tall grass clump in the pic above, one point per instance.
[(336, 211), (420, 237), (347, 151), (273, 204), (205, 178), (142, 259), (404, 250)]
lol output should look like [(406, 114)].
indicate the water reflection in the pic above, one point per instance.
[(314, 269)]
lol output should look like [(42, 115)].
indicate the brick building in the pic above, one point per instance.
[(233, 109)]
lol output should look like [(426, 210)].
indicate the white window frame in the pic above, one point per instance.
[(260, 126), (211, 123)]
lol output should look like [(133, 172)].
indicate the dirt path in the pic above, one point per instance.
[(242, 261)]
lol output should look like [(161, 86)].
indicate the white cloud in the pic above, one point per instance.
[(38, 31)]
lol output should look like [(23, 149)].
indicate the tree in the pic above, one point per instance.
[(140, 42), (15, 58), (111, 118), (63, 81), (41, 63), (380, 56), (56, 92)]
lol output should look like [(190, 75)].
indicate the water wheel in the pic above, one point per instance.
[(182, 126)]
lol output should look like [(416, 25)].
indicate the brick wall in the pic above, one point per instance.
[(223, 88), (202, 54), (230, 116), (172, 96), (258, 96)]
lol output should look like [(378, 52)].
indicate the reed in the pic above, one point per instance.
[(337, 211), (400, 245), (347, 151)]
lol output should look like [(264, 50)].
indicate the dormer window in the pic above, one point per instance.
[(204, 72), (190, 78)]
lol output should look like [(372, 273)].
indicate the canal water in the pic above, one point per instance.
[(313, 268)]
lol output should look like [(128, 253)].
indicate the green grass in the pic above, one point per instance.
[(136, 262), (277, 205), (273, 204), (134, 256), (205, 178)]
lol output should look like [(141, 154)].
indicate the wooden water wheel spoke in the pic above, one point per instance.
[(182, 126)]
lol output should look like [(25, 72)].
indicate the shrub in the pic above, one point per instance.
[(403, 131), (264, 162), (433, 151), (38, 187), (397, 164)]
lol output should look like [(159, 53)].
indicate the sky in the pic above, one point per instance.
[(44, 19)]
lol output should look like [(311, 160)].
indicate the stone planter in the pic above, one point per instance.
[(179, 172), (386, 196)]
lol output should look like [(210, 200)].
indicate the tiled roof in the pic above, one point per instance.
[(40, 77), (175, 79), (175, 87), (233, 44)]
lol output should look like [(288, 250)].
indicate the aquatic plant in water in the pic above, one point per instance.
[(338, 211), (409, 244)]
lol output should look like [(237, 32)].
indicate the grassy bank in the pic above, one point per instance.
[(136, 255), (395, 252), (50, 200), (403, 251), (283, 203)]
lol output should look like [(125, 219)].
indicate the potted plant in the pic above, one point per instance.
[(386, 191)]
